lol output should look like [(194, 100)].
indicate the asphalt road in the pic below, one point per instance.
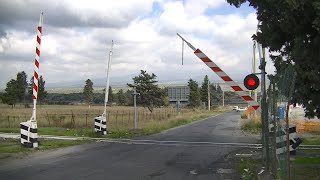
[(117, 161)]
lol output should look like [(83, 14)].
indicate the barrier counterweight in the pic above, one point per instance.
[(282, 138), (29, 134), (100, 125)]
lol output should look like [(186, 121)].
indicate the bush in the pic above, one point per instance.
[(252, 126), (244, 115)]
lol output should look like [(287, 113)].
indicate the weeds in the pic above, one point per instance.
[(247, 168), (252, 127)]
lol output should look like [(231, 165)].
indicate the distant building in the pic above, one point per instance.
[(180, 93)]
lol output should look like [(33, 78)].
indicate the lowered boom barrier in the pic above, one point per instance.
[(205, 59)]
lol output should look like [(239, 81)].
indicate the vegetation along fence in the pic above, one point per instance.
[(119, 118)]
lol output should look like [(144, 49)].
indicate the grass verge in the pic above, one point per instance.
[(251, 123), (311, 140), (306, 166), (251, 127)]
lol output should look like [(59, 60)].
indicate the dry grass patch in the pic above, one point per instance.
[(119, 124)]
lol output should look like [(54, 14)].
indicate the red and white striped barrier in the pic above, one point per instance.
[(36, 60), (28, 130), (205, 59)]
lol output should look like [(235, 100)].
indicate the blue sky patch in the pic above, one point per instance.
[(226, 9)]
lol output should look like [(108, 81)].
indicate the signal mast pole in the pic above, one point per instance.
[(255, 96), (209, 96)]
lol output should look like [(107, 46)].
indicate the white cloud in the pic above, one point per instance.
[(80, 50), (198, 7)]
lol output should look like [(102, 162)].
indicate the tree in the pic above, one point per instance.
[(129, 97), (215, 93), (150, 94), (1, 97), (194, 97), (290, 29), (110, 95), (30, 89), (21, 86), (42, 93), (121, 97), (204, 90), (166, 100), (88, 91), (98, 98), (10, 95)]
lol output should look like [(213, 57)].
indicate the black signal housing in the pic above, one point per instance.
[(251, 82)]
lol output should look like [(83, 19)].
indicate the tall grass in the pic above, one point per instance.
[(120, 118), (251, 123)]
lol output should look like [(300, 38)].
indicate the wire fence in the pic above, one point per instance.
[(279, 95), (118, 119)]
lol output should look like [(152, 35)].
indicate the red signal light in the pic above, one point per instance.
[(251, 82)]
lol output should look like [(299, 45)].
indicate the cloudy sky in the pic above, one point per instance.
[(77, 37)]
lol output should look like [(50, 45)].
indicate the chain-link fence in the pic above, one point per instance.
[(278, 100)]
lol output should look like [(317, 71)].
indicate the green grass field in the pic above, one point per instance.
[(306, 165)]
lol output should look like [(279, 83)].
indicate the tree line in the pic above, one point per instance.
[(199, 94), (20, 91), (150, 94)]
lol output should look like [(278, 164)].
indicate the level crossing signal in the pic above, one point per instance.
[(251, 82)]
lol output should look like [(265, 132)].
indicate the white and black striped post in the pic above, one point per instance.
[(281, 139), (100, 125), (29, 134)]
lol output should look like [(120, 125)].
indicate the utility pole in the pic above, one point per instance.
[(264, 110), (223, 98), (254, 69), (274, 139), (135, 107), (209, 104), (178, 106)]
